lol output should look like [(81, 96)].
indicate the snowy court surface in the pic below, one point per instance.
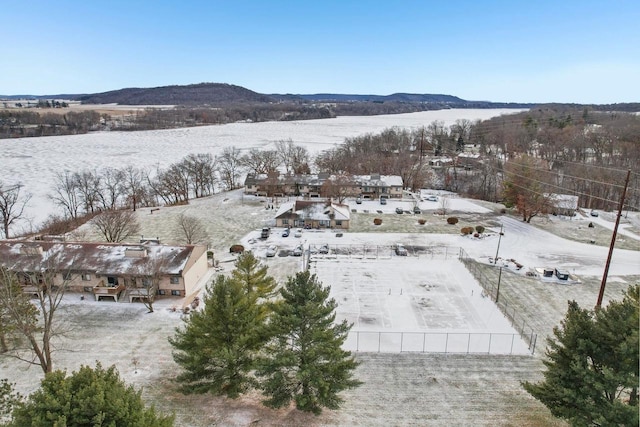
[(415, 304)]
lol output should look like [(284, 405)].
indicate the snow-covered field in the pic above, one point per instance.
[(421, 296), (34, 162)]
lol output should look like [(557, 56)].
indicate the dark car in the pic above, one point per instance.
[(285, 233), (398, 210), (324, 249)]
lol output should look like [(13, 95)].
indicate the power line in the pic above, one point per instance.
[(575, 192)]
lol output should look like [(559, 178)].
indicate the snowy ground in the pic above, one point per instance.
[(426, 293), (34, 162), (461, 389)]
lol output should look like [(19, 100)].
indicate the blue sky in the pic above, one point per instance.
[(513, 51)]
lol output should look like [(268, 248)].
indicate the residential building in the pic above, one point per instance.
[(324, 185), (312, 214), (106, 269)]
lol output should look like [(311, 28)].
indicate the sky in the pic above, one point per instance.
[(580, 51)]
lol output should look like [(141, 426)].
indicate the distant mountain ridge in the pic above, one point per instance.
[(227, 95), (220, 93)]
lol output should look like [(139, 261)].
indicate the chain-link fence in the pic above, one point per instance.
[(492, 288), (435, 342)]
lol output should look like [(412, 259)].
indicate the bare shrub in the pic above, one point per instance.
[(236, 249)]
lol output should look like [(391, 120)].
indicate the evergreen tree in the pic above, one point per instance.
[(304, 360), (592, 365), (253, 276), (217, 346), (89, 397)]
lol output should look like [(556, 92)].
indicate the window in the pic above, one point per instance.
[(174, 280), (86, 277), (285, 222), (175, 293), (161, 292), (338, 222), (146, 282)]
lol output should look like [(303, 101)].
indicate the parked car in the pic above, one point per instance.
[(416, 210), (432, 198), (383, 200), (265, 232), (272, 251), (285, 233), (594, 213), (298, 233), (297, 251), (399, 210), (401, 250), (359, 200), (324, 249)]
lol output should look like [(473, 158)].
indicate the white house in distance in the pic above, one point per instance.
[(563, 204), (106, 269), (313, 214)]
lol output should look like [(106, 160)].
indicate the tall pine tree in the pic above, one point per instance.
[(304, 360), (217, 345), (592, 365), (253, 276)]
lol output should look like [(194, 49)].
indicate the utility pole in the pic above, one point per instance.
[(495, 260), (613, 242), (498, 290)]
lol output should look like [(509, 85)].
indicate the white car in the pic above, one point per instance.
[(401, 250), (432, 198), (297, 251), (272, 251), (298, 233)]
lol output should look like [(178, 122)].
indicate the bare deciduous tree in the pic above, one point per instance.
[(65, 194), (113, 187), (338, 188), (444, 204), (201, 170), (116, 225), (12, 204), (145, 282), (191, 229), (88, 186), (229, 166), (36, 318), (133, 185), (295, 158)]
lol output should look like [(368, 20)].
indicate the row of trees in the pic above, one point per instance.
[(580, 152), (289, 347), (18, 123), (85, 193)]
